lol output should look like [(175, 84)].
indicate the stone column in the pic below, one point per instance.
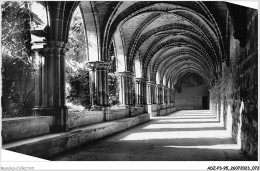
[(171, 95), (149, 92), (168, 96), (160, 94), (144, 90), (140, 91), (125, 88), (174, 95), (50, 85), (164, 94), (157, 94), (98, 84)]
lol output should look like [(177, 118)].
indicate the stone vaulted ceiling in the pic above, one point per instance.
[(170, 38)]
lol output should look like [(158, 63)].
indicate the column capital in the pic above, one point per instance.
[(158, 85), (55, 43), (150, 82), (164, 86), (138, 80), (52, 47), (102, 65), (141, 79), (125, 74)]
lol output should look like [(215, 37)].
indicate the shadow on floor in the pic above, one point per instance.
[(163, 139)]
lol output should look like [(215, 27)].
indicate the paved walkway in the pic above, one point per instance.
[(191, 135)]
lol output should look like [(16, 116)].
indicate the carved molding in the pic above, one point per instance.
[(98, 65), (125, 74)]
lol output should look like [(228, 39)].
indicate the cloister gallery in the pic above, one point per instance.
[(187, 77)]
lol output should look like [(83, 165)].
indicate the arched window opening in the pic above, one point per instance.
[(113, 99), (77, 74)]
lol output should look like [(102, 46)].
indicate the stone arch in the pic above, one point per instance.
[(92, 30), (123, 12)]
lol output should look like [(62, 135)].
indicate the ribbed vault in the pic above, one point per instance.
[(170, 39)]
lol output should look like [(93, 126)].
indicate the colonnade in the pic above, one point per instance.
[(50, 86)]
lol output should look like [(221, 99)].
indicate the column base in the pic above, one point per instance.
[(99, 108), (139, 105), (60, 115), (152, 109), (124, 106)]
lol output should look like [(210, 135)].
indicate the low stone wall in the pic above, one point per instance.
[(152, 109), (185, 107), (117, 114), (83, 118), (161, 109), (20, 128), (139, 110), (167, 111), (49, 145)]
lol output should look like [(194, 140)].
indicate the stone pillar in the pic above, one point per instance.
[(50, 85), (168, 96), (171, 95), (140, 91), (98, 84), (163, 94), (149, 92), (160, 94), (125, 80), (144, 90), (174, 95), (157, 93)]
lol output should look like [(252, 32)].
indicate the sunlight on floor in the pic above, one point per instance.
[(177, 134), (193, 124), (220, 146), (184, 125)]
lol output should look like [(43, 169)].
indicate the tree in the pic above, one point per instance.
[(17, 65)]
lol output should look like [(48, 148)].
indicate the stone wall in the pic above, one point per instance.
[(25, 127), (249, 85), (191, 97), (234, 96)]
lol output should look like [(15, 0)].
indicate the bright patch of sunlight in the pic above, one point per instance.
[(229, 119), (219, 146), (38, 12), (240, 124), (73, 107), (195, 117), (168, 127), (170, 119), (181, 125), (177, 134)]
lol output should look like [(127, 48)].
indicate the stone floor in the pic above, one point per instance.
[(188, 135)]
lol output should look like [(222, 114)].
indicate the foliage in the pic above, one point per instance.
[(113, 89), (76, 46), (79, 88), (77, 75), (17, 67)]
